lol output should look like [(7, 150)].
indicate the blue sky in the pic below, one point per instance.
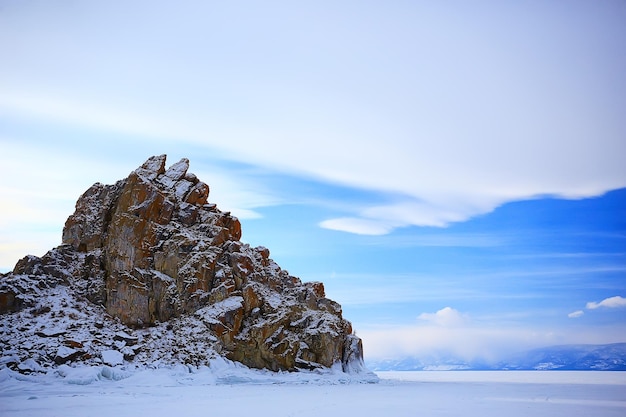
[(453, 173)]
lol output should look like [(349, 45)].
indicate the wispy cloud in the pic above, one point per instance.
[(447, 239), (382, 219), (611, 302), (473, 341), (359, 226), (300, 109), (447, 287), (447, 317), (567, 255), (576, 314)]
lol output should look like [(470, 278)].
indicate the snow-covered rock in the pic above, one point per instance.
[(30, 365), (112, 357), (65, 354), (149, 270)]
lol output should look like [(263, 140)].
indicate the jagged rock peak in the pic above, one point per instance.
[(151, 252), (153, 167)]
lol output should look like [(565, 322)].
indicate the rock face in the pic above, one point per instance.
[(152, 252)]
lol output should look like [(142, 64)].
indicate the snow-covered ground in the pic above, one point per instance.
[(229, 390)]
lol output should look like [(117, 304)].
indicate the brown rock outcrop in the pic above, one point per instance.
[(150, 249)]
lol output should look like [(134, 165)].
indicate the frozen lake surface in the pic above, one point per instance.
[(101, 392)]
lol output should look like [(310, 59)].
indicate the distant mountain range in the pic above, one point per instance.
[(611, 357)]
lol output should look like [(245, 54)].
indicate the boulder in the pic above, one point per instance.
[(112, 357), (65, 354), (8, 302)]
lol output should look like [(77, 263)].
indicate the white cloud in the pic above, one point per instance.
[(447, 317), (380, 220), (611, 302), (455, 134), (358, 226), (576, 314), (423, 213), (470, 342)]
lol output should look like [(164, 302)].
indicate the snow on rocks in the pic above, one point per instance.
[(65, 354), (29, 365), (112, 357), (50, 332), (150, 275), (153, 167), (126, 338)]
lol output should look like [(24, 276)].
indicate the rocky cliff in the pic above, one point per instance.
[(151, 273)]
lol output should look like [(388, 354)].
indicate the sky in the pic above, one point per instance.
[(452, 171)]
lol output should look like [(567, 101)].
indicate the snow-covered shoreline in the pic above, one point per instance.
[(228, 389), (221, 372)]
